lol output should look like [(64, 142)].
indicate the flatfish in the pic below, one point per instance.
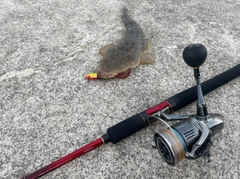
[(131, 51)]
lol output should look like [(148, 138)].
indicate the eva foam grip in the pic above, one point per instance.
[(190, 95), (127, 127)]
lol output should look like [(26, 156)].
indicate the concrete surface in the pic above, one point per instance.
[(48, 109)]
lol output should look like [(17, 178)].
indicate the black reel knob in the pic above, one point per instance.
[(195, 55)]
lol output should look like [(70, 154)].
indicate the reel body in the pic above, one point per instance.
[(190, 138)]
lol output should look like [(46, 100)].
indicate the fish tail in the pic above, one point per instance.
[(124, 10), (127, 21)]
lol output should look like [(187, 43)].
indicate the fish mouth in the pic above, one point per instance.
[(124, 74), (94, 76), (114, 75), (105, 74)]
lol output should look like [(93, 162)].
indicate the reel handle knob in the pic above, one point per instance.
[(195, 55)]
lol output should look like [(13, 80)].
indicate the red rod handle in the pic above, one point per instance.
[(159, 107), (85, 149)]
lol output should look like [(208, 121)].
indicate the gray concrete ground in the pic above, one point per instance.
[(48, 109)]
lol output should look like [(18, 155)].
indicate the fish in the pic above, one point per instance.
[(131, 51)]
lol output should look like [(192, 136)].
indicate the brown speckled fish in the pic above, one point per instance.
[(131, 51)]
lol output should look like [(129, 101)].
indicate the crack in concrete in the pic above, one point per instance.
[(71, 56), (20, 74), (30, 71)]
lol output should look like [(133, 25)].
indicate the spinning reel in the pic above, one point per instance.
[(190, 138)]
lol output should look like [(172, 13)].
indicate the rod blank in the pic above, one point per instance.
[(137, 122)]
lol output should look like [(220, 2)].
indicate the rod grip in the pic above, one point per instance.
[(188, 96), (127, 127)]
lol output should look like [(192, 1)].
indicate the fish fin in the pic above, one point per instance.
[(102, 51), (148, 47), (147, 58)]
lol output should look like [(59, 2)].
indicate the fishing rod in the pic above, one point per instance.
[(177, 142)]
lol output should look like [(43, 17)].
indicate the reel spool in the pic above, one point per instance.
[(190, 138)]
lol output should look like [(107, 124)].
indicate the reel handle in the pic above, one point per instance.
[(195, 55)]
